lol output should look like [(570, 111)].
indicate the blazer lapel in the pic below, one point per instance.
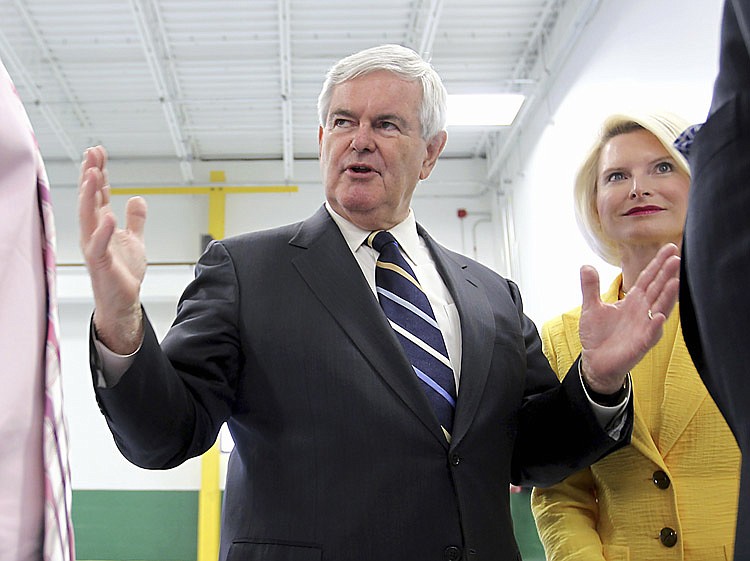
[(477, 332), (332, 273), (683, 394)]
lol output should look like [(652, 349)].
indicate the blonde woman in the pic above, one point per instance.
[(672, 493)]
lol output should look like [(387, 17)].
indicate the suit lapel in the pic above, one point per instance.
[(477, 332), (332, 273)]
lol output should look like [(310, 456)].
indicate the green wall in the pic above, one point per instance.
[(523, 524), (135, 525), (162, 525)]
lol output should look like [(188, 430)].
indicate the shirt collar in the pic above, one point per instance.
[(405, 232)]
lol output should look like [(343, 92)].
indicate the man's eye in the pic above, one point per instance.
[(340, 122)]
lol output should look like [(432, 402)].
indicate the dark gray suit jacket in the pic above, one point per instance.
[(714, 298), (338, 454)]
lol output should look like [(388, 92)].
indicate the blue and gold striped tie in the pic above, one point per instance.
[(409, 312)]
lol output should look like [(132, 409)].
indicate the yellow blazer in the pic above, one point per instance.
[(681, 474)]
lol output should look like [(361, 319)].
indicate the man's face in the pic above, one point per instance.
[(372, 153)]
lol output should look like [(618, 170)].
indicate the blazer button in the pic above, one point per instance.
[(455, 459), (668, 537), (661, 479), (452, 553)]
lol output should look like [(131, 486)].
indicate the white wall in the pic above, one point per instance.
[(638, 54)]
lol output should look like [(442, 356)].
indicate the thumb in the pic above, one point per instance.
[(135, 216), (589, 286)]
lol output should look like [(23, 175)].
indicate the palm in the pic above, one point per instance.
[(615, 337), (127, 261)]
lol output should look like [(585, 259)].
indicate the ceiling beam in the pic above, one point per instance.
[(430, 28), (555, 36), (411, 33), (425, 34), (159, 58), (21, 76), (285, 59), (50, 59)]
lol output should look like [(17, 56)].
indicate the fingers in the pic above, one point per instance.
[(650, 274), (91, 193), (89, 202), (589, 286), (96, 221), (94, 157), (667, 298), (659, 281), (95, 251)]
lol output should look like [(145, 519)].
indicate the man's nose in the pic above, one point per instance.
[(363, 140)]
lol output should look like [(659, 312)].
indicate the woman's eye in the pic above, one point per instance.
[(664, 167), (616, 176)]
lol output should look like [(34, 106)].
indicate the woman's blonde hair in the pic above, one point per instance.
[(666, 127)]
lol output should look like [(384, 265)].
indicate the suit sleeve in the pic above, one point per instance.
[(566, 513), (170, 404), (558, 432)]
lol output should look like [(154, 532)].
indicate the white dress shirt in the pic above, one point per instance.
[(416, 253)]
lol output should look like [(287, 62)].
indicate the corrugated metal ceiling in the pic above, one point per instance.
[(189, 80)]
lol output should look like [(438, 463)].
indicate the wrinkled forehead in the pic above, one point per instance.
[(378, 92)]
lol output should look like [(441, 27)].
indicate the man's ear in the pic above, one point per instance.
[(320, 139), (434, 149)]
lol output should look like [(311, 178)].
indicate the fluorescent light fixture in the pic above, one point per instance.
[(483, 109)]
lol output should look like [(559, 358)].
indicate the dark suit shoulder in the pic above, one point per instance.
[(487, 276), (279, 234), (300, 234)]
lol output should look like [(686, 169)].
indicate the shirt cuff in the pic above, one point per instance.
[(611, 418), (112, 366)]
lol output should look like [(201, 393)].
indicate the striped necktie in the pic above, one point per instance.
[(409, 312), (58, 525)]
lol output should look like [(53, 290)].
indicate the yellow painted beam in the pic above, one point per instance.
[(203, 190)]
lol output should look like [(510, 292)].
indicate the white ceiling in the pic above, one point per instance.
[(189, 80)]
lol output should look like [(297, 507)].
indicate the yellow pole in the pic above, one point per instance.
[(209, 506), (209, 497)]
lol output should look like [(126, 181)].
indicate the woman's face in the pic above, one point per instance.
[(641, 193)]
